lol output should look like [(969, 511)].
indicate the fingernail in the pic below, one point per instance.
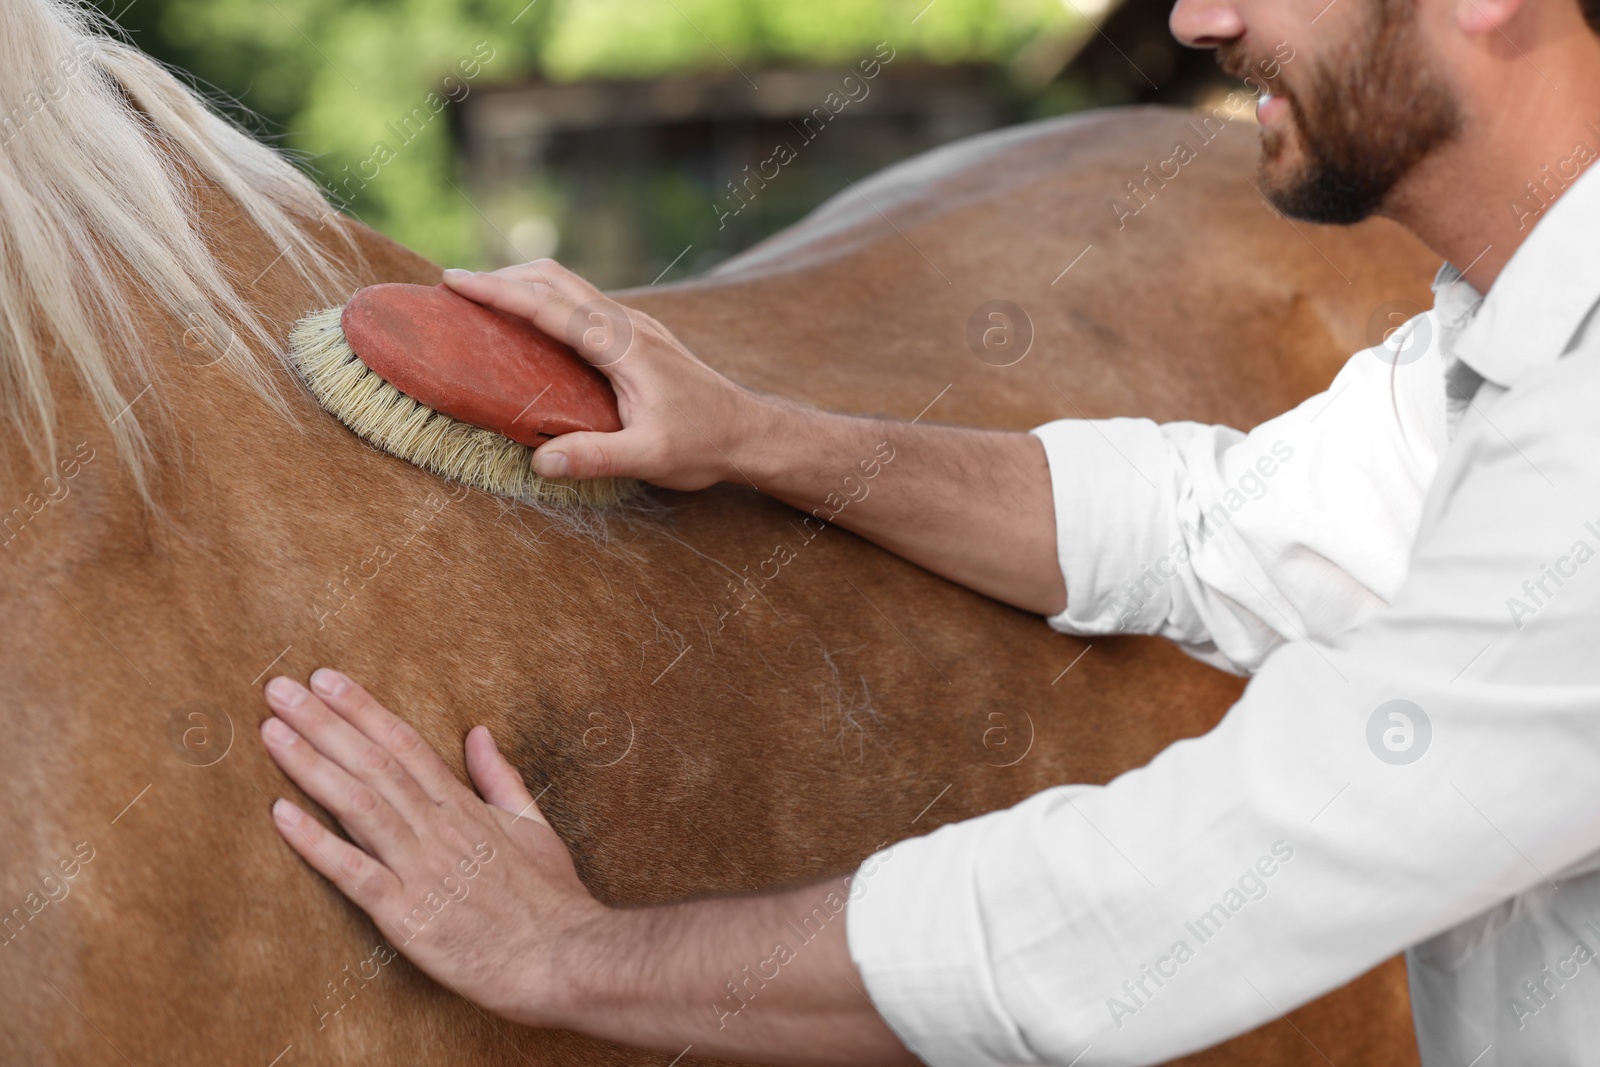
[(277, 731), (285, 692), (284, 811), (456, 273), (550, 464), (330, 683)]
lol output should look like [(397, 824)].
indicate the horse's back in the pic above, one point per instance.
[(1181, 297), (695, 715)]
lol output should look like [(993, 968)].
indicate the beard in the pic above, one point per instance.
[(1365, 119)]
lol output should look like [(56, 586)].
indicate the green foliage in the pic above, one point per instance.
[(341, 77), (644, 38)]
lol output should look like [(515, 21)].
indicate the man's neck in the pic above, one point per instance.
[(1522, 147)]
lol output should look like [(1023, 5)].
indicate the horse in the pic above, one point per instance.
[(707, 692)]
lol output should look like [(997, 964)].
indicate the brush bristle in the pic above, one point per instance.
[(379, 413)]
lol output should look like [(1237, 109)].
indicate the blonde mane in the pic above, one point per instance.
[(101, 148)]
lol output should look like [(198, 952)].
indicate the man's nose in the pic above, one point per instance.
[(1206, 23)]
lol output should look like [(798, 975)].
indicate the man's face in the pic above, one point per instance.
[(1348, 121)]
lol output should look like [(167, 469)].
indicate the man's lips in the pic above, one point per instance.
[(1270, 108)]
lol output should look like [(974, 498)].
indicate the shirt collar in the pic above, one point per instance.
[(1540, 299)]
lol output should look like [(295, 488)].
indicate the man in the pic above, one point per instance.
[(1413, 763)]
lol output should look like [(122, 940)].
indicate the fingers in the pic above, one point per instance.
[(343, 742), (369, 817), (414, 760), (363, 879), (535, 300), (553, 274), (597, 328), (498, 782), (586, 454)]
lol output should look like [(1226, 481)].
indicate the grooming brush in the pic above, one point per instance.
[(456, 388)]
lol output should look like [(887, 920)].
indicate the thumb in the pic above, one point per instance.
[(585, 454), (498, 782)]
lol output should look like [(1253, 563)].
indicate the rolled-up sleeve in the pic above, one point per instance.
[(1230, 543), (1363, 796)]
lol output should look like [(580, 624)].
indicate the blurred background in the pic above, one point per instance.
[(642, 140)]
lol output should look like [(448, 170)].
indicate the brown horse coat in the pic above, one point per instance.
[(698, 710)]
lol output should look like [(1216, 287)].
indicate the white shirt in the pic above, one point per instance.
[(1426, 531)]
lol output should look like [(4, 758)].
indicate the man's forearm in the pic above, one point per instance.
[(765, 978), (973, 505)]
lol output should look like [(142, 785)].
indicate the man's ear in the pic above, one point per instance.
[(1476, 17)]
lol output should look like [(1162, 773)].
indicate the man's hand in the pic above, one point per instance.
[(482, 895), (972, 505), (681, 419)]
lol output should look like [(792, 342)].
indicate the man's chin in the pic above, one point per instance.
[(1314, 197), (1280, 173)]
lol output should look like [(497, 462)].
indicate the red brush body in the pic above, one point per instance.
[(476, 365)]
